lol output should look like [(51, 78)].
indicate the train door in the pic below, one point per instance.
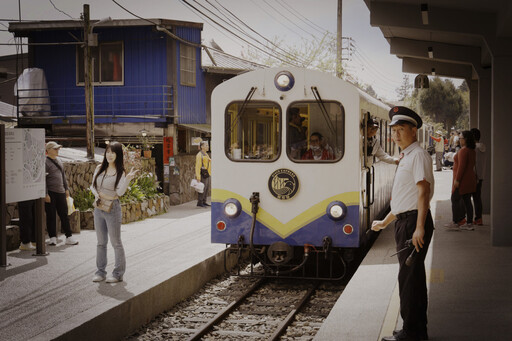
[(368, 188)]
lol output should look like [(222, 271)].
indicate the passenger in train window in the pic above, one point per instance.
[(374, 147), (296, 134), (316, 151)]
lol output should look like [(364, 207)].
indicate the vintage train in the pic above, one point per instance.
[(292, 186)]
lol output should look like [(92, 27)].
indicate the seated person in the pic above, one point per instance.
[(315, 151)]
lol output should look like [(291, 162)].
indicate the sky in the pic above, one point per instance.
[(289, 20)]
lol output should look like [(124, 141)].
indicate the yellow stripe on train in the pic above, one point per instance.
[(284, 229)]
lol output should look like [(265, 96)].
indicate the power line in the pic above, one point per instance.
[(265, 1), (287, 53), (236, 35), (60, 10), (293, 9), (299, 16)]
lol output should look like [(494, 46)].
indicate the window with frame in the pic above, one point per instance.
[(253, 131), (187, 65), (108, 64), (315, 133)]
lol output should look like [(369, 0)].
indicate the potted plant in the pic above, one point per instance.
[(133, 150), (146, 143)]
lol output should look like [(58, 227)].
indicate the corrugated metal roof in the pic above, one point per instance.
[(204, 128), (220, 62), (26, 27), (7, 110)]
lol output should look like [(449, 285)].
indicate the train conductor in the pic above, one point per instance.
[(412, 191)]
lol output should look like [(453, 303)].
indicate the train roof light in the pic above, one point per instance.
[(284, 81)]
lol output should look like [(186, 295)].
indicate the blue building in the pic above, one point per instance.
[(147, 76)]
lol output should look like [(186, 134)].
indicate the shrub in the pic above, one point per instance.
[(83, 199)]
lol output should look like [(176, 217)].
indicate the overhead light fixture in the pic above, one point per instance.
[(424, 14), (433, 71), (430, 52), (421, 82)]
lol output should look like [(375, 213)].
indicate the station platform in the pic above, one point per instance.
[(468, 280), (53, 297)]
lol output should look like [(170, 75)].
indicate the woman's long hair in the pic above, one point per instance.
[(470, 139), (117, 148)]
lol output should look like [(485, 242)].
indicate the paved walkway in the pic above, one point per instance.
[(44, 297), (470, 295)]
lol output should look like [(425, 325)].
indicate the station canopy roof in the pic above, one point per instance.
[(453, 38)]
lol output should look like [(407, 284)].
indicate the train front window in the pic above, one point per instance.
[(315, 131), (253, 131)]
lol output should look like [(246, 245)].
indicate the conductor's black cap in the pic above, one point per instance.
[(402, 114)]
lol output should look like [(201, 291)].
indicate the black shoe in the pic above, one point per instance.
[(422, 335), (200, 205), (205, 204)]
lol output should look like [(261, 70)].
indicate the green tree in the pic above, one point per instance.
[(442, 102)]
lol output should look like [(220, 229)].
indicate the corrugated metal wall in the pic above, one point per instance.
[(191, 100), (144, 73)]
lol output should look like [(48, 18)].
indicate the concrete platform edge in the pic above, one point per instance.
[(111, 321)]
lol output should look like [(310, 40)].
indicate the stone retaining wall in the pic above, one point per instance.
[(180, 191)]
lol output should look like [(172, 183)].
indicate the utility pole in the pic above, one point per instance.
[(89, 100), (339, 42)]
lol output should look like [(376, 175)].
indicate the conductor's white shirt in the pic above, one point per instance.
[(415, 166)]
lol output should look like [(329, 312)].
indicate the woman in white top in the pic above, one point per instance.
[(108, 184)]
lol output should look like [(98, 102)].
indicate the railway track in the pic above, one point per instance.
[(233, 308)]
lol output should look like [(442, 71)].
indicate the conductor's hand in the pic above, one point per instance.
[(378, 225), (47, 199), (132, 174), (417, 239)]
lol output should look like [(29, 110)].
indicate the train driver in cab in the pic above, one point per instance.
[(296, 134), (374, 147)]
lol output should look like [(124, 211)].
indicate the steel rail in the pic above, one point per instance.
[(225, 312), (291, 315)]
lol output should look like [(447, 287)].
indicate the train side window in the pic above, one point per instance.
[(252, 131), (315, 133)]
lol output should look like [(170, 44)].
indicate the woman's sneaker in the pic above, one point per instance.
[(478, 222), (467, 227), (52, 241), (26, 247), (71, 241)]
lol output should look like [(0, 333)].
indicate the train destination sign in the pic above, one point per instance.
[(283, 184)]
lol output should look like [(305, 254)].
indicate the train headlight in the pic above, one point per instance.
[(284, 81), (232, 208), (336, 210)]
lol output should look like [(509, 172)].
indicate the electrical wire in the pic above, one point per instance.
[(292, 22), (299, 16), (238, 29), (287, 53), (60, 10), (236, 35), (293, 9)]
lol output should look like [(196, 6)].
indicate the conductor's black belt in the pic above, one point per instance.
[(404, 215)]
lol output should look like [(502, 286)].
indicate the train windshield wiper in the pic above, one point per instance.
[(321, 104), (242, 108)]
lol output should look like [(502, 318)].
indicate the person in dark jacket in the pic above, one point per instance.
[(56, 195)]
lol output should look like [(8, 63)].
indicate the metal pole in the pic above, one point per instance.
[(89, 104), (339, 42), (3, 206), (39, 224)]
